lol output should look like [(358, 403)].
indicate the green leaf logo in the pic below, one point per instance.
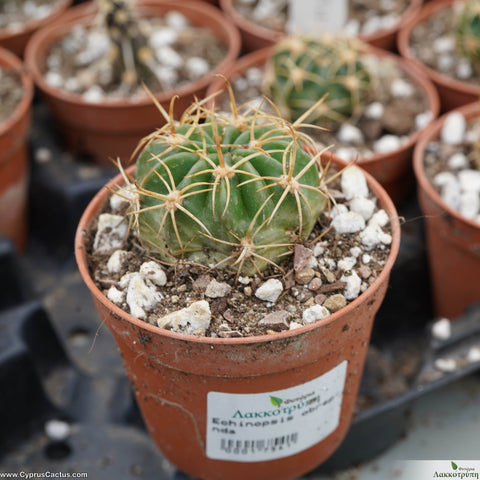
[(276, 402), (454, 465)]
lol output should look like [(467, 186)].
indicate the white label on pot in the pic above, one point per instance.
[(315, 16), (253, 427)]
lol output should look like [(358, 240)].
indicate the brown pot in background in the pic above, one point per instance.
[(393, 169), (14, 158), (17, 40), (113, 129), (453, 241), (453, 93), (184, 384), (255, 36)]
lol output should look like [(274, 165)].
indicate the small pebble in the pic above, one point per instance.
[(453, 130), (442, 329), (270, 290)]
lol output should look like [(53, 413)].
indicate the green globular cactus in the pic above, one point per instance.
[(231, 191), (302, 70), (467, 32)]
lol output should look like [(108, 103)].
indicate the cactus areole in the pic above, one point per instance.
[(229, 191)]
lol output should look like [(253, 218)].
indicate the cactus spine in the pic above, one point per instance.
[(468, 32), (232, 191), (302, 70)]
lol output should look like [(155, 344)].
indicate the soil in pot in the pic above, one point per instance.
[(19, 19), (11, 92), (181, 53), (448, 172), (432, 42)]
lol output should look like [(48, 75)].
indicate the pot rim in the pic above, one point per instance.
[(10, 60), (83, 12), (403, 44), (412, 71), (271, 35), (99, 201), (432, 132), (35, 23)]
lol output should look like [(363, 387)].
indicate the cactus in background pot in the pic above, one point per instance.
[(130, 53), (230, 191), (468, 32), (303, 70)]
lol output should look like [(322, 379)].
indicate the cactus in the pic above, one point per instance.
[(231, 191), (131, 56), (303, 70), (467, 32)]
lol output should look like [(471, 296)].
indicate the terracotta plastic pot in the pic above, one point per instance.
[(17, 40), (266, 407), (14, 158), (113, 128), (453, 93), (393, 169), (453, 241), (255, 36)]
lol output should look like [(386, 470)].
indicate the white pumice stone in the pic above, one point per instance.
[(444, 61), (294, 325), (197, 66), (366, 258), (349, 222), (449, 188), (188, 320), (57, 430), (457, 160), (354, 183), (464, 69), (337, 210), (380, 217), (116, 261), (356, 251), (164, 36), (346, 153), (387, 143), (270, 290), (111, 232), (469, 204), (446, 364), (353, 285), (453, 129), (141, 297), (373, 235), (124, 196), (469, 180), (352, 28), (444, 44), (347, 263), (314, 313), (154, 272), (442, 329), (94, 94), (423, 119), (473, 354), (350, 134), (54, 79), (169, 57), (115, 295), (401, 88), (176, 20), (217, 289), (374, 111), (362, 205)]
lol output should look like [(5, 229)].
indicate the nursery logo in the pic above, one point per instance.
[(457, 471), (276, 402)]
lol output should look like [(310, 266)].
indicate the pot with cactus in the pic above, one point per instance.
[(444, 41), (95, 66), (16, 95), (374, 104), (262, 23), (240, 281), (447, 167)]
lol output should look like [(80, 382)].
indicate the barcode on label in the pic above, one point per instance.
[(246, 447)]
